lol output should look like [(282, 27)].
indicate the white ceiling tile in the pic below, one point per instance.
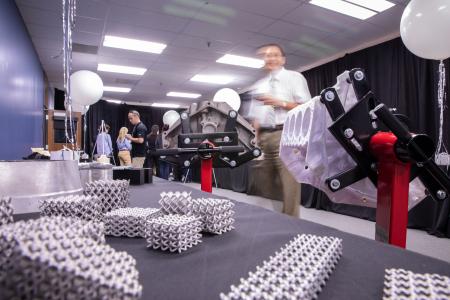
[(126, 56), (41, 31), (227, 34), (184, 40), (174, 7), (55, 6), (294, 62), (137, 32), (320, 18), (147, 19), (294, 32), (362, 33), (41, 16), (89, 25), (86, 38), (389, 19), (274, 9), (92, 8)]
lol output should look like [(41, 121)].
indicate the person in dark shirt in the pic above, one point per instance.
[(137, 138), (152, 137)]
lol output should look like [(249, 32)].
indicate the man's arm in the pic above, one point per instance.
[(138, 140)]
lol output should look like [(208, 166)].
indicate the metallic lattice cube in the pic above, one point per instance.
[(129, 221), (78, 206), (6, 211), (403, 284), (113, 194), (64, 258), (175, 233)]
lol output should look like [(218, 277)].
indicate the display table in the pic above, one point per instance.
[(208, 269)]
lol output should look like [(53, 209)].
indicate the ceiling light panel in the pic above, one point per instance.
[(116, 89), (167, 105), (243, 61), (132, 44), (183, 95), (377, 5), (345, 8), (121, 69), (213, 79)]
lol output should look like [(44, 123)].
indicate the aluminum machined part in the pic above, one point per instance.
[(113, 194), (78, 206), (403, 284), (174, 233), (312, 154), (298, 271), (28, 181), (6, 211), (129, 221), (209, 117)]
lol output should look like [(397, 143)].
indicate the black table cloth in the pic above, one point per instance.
[(206, 270)]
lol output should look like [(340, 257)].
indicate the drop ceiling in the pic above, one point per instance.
[(197, 33)]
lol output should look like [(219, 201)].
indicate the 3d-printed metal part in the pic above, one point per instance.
[(312, 154), (401, 284), (78, 206), (113, 194), (63, 258), (175, 233), (6, 211), (216, 215), (129, 221), (297, 271)]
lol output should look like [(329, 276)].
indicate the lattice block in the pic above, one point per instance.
[(64, 258), (298, 271), (83, 207), (215, 214), (129, 221), (175, 233), (113, 194), (175, 202), (6, 211), (406, 285)]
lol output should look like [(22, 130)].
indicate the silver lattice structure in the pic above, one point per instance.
[(401, 284), (6, 211), (78, 206), (113, 194), (63, 258), (175, 202), (129, 221), (215, 214), (297, 271), (174, 233)]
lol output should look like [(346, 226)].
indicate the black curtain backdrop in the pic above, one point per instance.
[(402, 80), (116, 116)]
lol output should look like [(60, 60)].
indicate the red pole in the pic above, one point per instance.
[(393, 187), (206, 175)]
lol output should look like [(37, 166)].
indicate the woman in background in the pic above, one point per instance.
[(124, 147)]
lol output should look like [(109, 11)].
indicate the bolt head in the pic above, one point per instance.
[(232, 114), (359, 75), (441, 195), (329, 96), (184, 116), (335, 184), (187, 140), (348, 133), (233, 163)]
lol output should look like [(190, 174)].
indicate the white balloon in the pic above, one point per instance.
[(229, 96), (170, 117), (86, 87), (425, 28)]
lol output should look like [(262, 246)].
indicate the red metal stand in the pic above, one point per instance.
[(393, 187), (206, 175)]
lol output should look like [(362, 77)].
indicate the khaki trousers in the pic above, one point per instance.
[(138, 162), (272, 166), (124, 158)]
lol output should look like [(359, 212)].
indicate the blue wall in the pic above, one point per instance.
[(21, 87)]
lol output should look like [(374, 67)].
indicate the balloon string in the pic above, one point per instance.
[(69, 9), (441, 149)]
